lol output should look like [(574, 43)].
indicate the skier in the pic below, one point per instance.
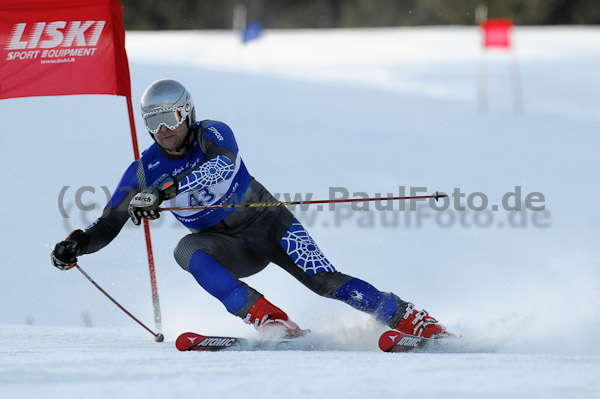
[(198, 163)]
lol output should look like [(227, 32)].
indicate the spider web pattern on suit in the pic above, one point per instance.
[(304, 251)]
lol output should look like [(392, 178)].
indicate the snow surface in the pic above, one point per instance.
[(367, 110)]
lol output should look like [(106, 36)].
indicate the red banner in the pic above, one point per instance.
[(53, 47)]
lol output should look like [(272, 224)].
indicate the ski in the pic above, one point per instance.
[(197, 342), (390, 341), (395, 341)]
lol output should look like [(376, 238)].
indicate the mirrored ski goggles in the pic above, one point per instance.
[(172, 118)]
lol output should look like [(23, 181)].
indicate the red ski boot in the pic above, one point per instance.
[(268, 319), (420, 324)]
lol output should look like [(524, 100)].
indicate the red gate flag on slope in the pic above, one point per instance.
[(59, 47), (496, 33)]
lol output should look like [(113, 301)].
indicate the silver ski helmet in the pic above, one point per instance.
[(167, 102)]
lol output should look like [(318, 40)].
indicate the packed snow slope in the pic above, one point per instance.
[(317, 113)]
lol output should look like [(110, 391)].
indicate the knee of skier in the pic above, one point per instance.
[(184, 250)]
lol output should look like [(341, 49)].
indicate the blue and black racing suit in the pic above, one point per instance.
[(227, 244)]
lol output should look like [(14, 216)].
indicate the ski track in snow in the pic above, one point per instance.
[(368, 110)]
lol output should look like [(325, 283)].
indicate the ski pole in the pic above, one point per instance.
[(157, 337), (437, 196)]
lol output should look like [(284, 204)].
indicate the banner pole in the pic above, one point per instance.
[(516, 83), (136, 150), (482, 95), (155, 300)]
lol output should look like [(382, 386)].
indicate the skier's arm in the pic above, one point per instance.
[(219, 145), (108, 226), (79, 242)]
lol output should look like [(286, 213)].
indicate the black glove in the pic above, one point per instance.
[(145, 205), (64, 254)]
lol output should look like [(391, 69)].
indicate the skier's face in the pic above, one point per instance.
[(171, 139)]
